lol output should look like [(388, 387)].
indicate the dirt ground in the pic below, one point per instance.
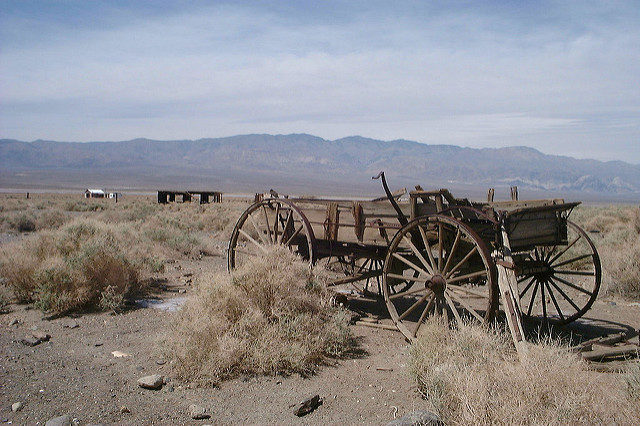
[(75, 372)]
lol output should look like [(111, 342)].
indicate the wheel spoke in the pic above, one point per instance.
[(464, 259), (258, 231), (573, 286), (466, 306), (527, 287), (453, 250), (414, 306), (252, 240), (555, 302), (406, 293), (440, 248), (552, 282), (410, 264), (544, 301), (575, 259), (406, 278), (286, 225), (564, 250), (533, 298), (419, 255), (524, 278), (425, 240), (467, 276), (295, 234), (424, 314), (266, 219), (454, 311), (584, 273), (275, 224)]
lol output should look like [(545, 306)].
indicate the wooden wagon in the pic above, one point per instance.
[(436, 254)]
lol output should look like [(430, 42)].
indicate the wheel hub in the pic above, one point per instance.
[(437, 284)]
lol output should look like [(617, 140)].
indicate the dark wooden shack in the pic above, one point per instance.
[(169, 196)]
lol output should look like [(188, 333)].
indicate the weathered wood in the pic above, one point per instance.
[(358, 220), (332, 222), (375, 325), (508, 285), (612, 351), (514, 193)]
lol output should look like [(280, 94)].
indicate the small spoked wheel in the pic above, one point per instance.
[(559, 283), (445, 269), (267, 223)]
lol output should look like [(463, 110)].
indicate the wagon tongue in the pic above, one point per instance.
[(401, 217)]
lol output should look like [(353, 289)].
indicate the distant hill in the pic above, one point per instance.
[(300, 162)]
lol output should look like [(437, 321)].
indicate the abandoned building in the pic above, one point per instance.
[(205, 197), (94, 193)]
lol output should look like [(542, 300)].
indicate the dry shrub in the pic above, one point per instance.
[(70, 268), (614, 231), (471, 376), (271, 316)]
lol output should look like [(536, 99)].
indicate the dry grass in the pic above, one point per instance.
[(615, 230), (70, 268), (471, 377), (142, 235), (271, 316)]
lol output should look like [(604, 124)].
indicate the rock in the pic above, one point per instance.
[(182, 291), (120, 354), (17, 406), (41, 335), (30, 341), (124, 409), (417, 418), (59, 421), (71, 324), (13, 322), (307, 406), (161, 362), (154, 382), (97, 344), (197, 412)]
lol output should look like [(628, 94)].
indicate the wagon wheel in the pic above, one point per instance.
[(451, 271), (267, 223), (560, 283)]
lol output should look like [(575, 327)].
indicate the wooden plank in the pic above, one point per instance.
[(612, 351), (508, 285)]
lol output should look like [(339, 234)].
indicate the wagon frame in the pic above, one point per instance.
[(436, 254)]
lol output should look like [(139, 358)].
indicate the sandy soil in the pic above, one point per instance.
[(75, 372)]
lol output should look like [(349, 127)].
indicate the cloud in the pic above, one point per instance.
[(562, 79)]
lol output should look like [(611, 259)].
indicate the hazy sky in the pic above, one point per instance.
[(563, 77)]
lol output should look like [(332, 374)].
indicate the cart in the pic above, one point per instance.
[(434, 254)]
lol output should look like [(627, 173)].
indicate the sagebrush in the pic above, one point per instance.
[(273, 315), (472, 377)]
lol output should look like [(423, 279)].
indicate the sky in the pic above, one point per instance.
[(559, 76)]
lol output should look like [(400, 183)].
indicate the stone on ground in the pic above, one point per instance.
[(154, 382), (417, 418), (17, 406), (197, 412), (60, 421)]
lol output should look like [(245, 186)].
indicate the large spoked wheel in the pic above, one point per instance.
[(450, 270), (267, 223), (559, 284)]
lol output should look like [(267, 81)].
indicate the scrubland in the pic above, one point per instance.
[(73, 253), (273, 316)]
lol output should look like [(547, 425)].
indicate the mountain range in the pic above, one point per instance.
[(305, 163)]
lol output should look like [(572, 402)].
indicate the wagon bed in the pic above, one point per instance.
[(434, 254)]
